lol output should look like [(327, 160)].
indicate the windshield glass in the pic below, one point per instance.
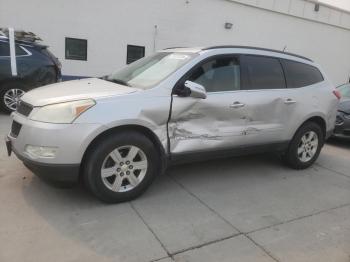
[(149, 71), (345, 90)]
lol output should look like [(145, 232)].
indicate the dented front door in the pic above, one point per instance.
[(214, 123)]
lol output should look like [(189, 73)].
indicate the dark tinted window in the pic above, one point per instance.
[(300, 75), (263, 73), (220, 74), (76, 49), (134, 53), (4, 49)]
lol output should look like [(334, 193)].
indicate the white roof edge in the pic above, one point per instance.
[(183, 49), (329, 6), (247, 50)]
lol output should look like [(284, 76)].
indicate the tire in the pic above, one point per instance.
[(300, 155), (9, 91), (114, 154)]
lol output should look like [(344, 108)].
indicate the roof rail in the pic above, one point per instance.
[(174, 47), (21, 35), (257, 48)]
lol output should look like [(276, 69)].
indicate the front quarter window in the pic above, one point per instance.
[(149, 71)]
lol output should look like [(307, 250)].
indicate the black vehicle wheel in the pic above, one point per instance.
[(121, 167), (305, 147), (10, 94)]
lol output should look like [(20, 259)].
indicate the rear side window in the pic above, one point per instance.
[(262, 73), (300, 75), (4, 49)]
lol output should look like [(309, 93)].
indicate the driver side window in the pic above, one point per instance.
[(218, 75)]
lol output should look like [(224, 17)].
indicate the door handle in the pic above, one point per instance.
[(237, 105), (289, 101)]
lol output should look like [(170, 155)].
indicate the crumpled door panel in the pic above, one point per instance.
[(205, 124)]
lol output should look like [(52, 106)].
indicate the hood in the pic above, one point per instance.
[(344, 105), (75, 90)]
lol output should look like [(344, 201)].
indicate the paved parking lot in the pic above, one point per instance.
[(240, 209)]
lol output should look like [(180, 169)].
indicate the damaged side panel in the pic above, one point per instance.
[(204, 124), (268, 116)]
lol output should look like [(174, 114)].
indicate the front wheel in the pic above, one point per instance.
[(121, 167), (305, 147)]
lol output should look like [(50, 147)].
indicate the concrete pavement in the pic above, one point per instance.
[(240, 209)]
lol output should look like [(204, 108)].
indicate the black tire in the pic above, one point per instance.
[(6, 87), (291, 157), (99, 152)]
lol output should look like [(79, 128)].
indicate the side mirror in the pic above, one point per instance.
[(196, 90)]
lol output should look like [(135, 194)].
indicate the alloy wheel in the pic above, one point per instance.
[(308, 146), (124, 168), (12, 97)]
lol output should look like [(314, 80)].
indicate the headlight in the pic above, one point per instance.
[(62, 113)]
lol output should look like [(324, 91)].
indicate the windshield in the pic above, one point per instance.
[(149, 71), (345, 90)]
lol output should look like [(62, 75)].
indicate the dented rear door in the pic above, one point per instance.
[(270, 106)]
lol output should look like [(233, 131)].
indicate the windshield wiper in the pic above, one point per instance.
[(119, 81), (116, 81)]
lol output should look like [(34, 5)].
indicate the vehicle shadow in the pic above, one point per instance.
[(75, 215), (5, 121), (339, 142)]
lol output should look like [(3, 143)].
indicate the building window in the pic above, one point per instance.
[(134, 53), (76, 49)]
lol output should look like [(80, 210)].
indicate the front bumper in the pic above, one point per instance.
[(52, 172), (71, 141), (342, 127)]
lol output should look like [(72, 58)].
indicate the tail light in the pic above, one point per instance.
[(337, 94)]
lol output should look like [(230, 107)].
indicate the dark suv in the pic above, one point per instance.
[(30, 66)]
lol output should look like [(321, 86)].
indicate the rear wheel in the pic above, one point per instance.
[(10, 94), (305, 147), (121, 167)]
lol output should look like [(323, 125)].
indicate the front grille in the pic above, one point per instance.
[(24, 108), (339, 120), (15, 129), (346, 132)]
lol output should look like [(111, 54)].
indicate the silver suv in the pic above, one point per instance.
[(182, 104)]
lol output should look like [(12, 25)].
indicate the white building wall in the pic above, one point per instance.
[(110, 25)]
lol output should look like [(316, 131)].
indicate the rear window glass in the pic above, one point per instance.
[(300, 75), (263, 73), (20, 51), (345, 90), (4, 49)]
